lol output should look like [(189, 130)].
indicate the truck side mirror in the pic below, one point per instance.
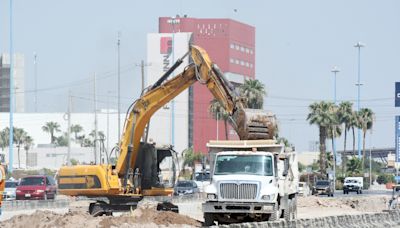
[(286, 168)]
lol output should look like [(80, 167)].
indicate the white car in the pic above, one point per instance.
[(304, 189), (10, 190)]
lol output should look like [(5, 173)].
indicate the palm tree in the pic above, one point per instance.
[(354, 166), (321, 114), (76, 129), (334, 129), (51, 128), (4, 136), (28, 143), (218, 112), (365, 122), (19, 136), (254, 91), (345, 117)]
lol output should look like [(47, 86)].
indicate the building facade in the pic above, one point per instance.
[(19, 83), (231, 45)]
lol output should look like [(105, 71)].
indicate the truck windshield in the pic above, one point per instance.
[(244, 164)]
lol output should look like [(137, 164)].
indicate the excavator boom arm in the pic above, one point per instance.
[(164, 90)]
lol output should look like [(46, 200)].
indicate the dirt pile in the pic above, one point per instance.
[(141, 217), (44, 219), (362, 204)]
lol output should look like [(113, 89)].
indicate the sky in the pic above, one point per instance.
[(297, 44)]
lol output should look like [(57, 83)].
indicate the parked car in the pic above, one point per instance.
[(10, 190), (304, 189), (323, 187), (36, 187), (185, 188)]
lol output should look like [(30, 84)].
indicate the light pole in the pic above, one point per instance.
[(35, 65), (359, 45), (334, 70), (11, 136), (173, 21), (119, 89)]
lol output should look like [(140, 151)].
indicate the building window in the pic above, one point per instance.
[(247, 50), (237, 47), (232, 46), (251, 51), (236, 61), (242, 49), (242, 63), (232, 60), (247, 64), (251, 65)]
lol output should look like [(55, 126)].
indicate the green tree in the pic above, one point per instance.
[(4, 138), (322, 115), (62, 140), (365, 122), (190, 157), (51, 128), (354, 166), (254, 92), (76, 129), (353, 125), (345, 114), (28, 144), (334, 129), (218, 113), (19, 136)]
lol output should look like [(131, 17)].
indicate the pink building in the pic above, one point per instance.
[(231, 45)]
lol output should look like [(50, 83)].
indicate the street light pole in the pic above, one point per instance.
[(334, 70), (359, 45), (35, 64), (119, 90), (11, 136)]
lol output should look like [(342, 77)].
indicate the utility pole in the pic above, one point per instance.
[(142, 65), (69, 128), (95, 120), (35, 64), (119, 89), (334, 70)]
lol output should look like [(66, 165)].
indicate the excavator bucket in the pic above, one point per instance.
[(253, 124)]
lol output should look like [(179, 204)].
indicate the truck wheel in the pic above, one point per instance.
[(360, 191), (294, 208), (288, 213), (275, 214), (208, 219)]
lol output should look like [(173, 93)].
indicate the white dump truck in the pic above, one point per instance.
[(251, 180)]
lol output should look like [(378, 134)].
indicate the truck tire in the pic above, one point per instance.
[(275, 214), (287, 213), (208, 219), (294, 208)]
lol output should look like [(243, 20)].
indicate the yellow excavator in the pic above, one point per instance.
[(120, 186), (3, 173)]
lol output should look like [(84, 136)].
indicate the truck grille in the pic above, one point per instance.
[(238, 191)]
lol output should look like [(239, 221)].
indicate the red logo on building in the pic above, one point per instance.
[(165, 45)]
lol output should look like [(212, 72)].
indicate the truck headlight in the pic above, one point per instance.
[(268, 197), (39, 191), (211, 196)]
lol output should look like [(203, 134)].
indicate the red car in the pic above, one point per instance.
[(36, 187)]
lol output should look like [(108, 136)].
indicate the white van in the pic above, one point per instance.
[(353, 184)]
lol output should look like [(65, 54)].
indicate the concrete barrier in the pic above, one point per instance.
[(373, 220), (34, 204)]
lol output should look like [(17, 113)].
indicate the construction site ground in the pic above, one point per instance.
[(309, 209)]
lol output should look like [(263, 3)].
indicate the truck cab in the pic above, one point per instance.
[(252, 180)]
